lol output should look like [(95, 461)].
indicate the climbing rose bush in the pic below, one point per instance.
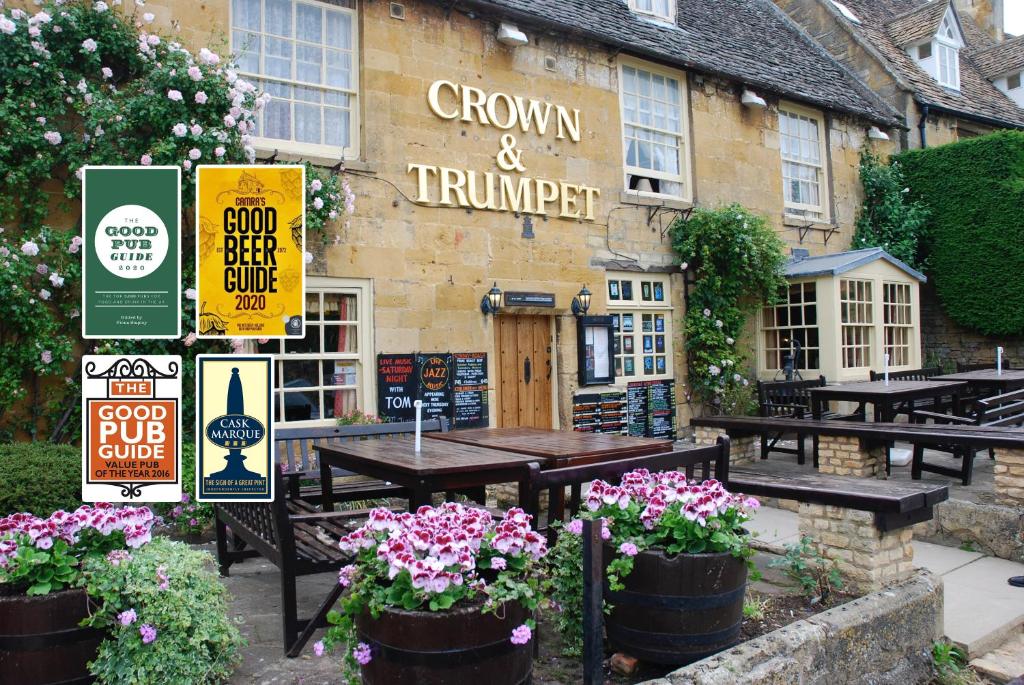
[(39, 556), (433, 560)]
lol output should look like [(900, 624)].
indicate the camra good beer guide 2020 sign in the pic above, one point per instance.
[(234, 428), (131, 244), (250, 256)]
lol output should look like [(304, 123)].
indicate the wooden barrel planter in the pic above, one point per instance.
[(442, 648), (41, 642), (677, 610)]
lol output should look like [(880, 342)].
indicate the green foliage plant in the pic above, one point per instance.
[(166, 614), (39, 478), (888, 218), (736, 262), (819, 577), (85, 83), (659, 511), (974, 190), (354, 417), (950, 664)]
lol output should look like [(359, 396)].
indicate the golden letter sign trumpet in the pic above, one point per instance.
[(250, 256)]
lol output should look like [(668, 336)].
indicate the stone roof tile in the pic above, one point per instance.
[(918, 23), (1001, 58)]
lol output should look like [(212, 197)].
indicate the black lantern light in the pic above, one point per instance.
[(581, 303), (492, 300)]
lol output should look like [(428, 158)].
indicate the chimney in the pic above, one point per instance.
[(987, 14)]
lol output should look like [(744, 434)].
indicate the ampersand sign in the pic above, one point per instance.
[(509, 158)]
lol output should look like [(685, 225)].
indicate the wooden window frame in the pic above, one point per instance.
[(820, 212), (865, 323), (770, 325)]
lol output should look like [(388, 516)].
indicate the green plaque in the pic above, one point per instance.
[(131, 243)]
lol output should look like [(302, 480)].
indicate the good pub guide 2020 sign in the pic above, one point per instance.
[(131, 244), (131, 438), (250, 256)]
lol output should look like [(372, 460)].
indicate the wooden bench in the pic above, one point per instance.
[(923, 374), (850, 448), (792, 399), (1005, 410), (293, 451), (963, 367), (294, 537)]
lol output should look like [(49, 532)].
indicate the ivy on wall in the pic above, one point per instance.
[(888, 218), (736, 264), (974, 239)]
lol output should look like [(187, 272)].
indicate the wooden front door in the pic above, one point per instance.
[(524, 370)]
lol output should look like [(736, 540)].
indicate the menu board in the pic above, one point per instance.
[(651, 409), (435, 384), (599, 412), (396, 387), (470, 390)]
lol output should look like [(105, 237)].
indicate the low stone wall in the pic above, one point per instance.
[(841, 455), (884, 638), (994, 529), (1010, 477)]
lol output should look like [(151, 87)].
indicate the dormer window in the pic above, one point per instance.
[(940, 56), (660, 9)]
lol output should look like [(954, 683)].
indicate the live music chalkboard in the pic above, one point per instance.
[(396, 386), (434, 372), (651, 409), (470, 390)]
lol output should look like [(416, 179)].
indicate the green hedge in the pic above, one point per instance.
[(40, 478), (975, 237)]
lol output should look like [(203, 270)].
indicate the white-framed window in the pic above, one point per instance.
[(948, 44), (662, 9), (898, 322), (804, 169), (655, 130), (856, 305), (791, 322), (641, 309), (329, 371), (304, 54)]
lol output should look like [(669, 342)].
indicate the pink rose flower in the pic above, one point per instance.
[(201, 98)]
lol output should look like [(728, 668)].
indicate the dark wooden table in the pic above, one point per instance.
[(884, 398), (439, 466), (1009, 379), (557, 448)]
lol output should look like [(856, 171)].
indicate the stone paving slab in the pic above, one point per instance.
[(1004, 663), (941, 560), (774, 526)]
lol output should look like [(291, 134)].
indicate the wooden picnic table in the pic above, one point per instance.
[(1009, 379), (885, 398), (554, 449), (438, 467)]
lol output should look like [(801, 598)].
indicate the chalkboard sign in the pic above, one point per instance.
[(651, 409), (396, 387), (470, 390), (599, 412), (434, 372)]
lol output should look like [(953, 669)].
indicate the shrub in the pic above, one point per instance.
[(167, 616), (39, 478), (818, 575), (887, 218), (974, 190)]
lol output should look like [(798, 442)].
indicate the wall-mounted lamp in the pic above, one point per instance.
[(875, 133), (753, 100), (492, 300), (509, 34), (581, 303)]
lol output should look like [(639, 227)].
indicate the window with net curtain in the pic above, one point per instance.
[(659, 8), (803, 169), (654, 129), (318, 376), (303, 54)]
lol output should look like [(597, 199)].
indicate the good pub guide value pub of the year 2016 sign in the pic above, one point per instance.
[(250, 251)]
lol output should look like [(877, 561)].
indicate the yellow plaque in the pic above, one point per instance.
[(250, 257)]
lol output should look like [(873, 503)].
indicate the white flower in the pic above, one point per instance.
[(174, 95), (736, 377), (101, 6), (714, 370), (148, 17), (194, 153), (89, 45), (180, 129), (107, 72), (219, 151), (201, 97), (187, 164), (40, 18), (707, 313), (56, 279), (316, 185), (30, 248), (729, 341), (229, 120), (718, 323), (52, 137), (191, 294), (309, 257), (195, 73), (318, 203), (207, 57), (154, 40), (250, 153), (6, 25), (196, 130), (44, 294)]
